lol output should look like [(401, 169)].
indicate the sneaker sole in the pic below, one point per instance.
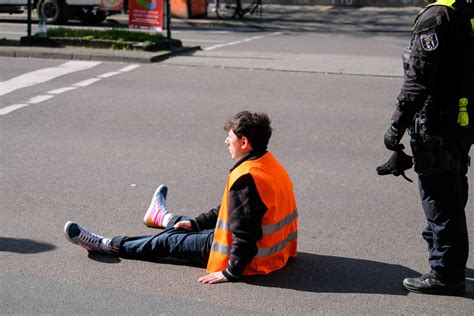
[(151, 204)]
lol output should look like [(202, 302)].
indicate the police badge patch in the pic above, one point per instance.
[(429, 42)]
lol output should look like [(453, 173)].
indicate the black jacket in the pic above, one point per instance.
[(246, 211), (438, 68)]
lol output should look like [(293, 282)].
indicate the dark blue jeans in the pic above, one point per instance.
[(175, 243)]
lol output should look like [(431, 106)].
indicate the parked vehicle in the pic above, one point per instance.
[(59, 11)]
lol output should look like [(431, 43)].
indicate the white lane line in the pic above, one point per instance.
[(241, 41), (85, 83), (39, 98), (108, 74), (52, 93), (129, 68), (61, 90), (43, 75), (12, 108)]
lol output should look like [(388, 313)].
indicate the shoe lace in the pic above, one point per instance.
[(90, 238)]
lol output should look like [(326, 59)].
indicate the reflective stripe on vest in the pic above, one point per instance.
[(279, 224), (267, 230)]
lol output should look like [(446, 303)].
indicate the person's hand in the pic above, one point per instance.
[(213, 278), (184, 225), (392, 137)]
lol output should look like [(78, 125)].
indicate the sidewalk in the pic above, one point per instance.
[(301, 18), (282, 18)]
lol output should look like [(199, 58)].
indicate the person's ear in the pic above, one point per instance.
[(245, 143), (246, 146)]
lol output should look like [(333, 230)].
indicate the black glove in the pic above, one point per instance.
[(397, 164), (393, 136)]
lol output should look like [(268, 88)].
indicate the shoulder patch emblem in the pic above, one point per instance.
[(429, 42)]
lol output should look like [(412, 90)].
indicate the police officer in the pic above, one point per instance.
[(434, 105)]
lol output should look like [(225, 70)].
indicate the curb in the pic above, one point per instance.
[(73, 53)]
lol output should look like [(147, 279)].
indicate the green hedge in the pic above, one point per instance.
[(115, 34)]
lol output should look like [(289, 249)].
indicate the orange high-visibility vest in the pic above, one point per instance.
[(279, 224)]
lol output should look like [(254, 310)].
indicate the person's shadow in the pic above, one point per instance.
[(24, 246), (323, 274), (328, 274)]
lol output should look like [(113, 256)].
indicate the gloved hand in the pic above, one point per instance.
[(392, 137), (397, 164)]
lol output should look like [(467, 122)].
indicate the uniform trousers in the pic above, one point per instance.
[(444, 197)]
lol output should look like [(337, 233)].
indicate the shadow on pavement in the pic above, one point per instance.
[(103, 258), (328, 274), (323, 274), (24, 246), (107, 258)]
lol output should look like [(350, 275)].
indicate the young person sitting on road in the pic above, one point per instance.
[(253, 231)]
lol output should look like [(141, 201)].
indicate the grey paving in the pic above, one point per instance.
[(328, 19)]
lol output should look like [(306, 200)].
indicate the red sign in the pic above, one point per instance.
[(146, 14)]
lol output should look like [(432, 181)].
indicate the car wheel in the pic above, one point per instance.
[(50, 11)]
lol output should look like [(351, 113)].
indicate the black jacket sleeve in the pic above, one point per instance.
[(430, 38), (246, 211), (206, 220)]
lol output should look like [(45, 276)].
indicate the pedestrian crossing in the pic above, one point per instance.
[(41, 76)]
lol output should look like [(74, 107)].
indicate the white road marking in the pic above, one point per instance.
[(109, 74), (43, 75), (241, 41), (12, 108), (61, 90), (129, 68), (53, 93), (39, 98), (86, 83)]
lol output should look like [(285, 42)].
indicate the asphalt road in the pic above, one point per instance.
[(96, 153)]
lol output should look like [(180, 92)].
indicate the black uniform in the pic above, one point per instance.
[(438, 73)]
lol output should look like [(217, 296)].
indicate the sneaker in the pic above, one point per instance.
[(157, 210), (429, 284), (84, 238)]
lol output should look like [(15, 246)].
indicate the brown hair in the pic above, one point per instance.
[(255, 126)]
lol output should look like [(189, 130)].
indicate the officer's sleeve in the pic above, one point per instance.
[(429, 39)]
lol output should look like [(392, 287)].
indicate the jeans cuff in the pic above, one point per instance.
[(116, 244)]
